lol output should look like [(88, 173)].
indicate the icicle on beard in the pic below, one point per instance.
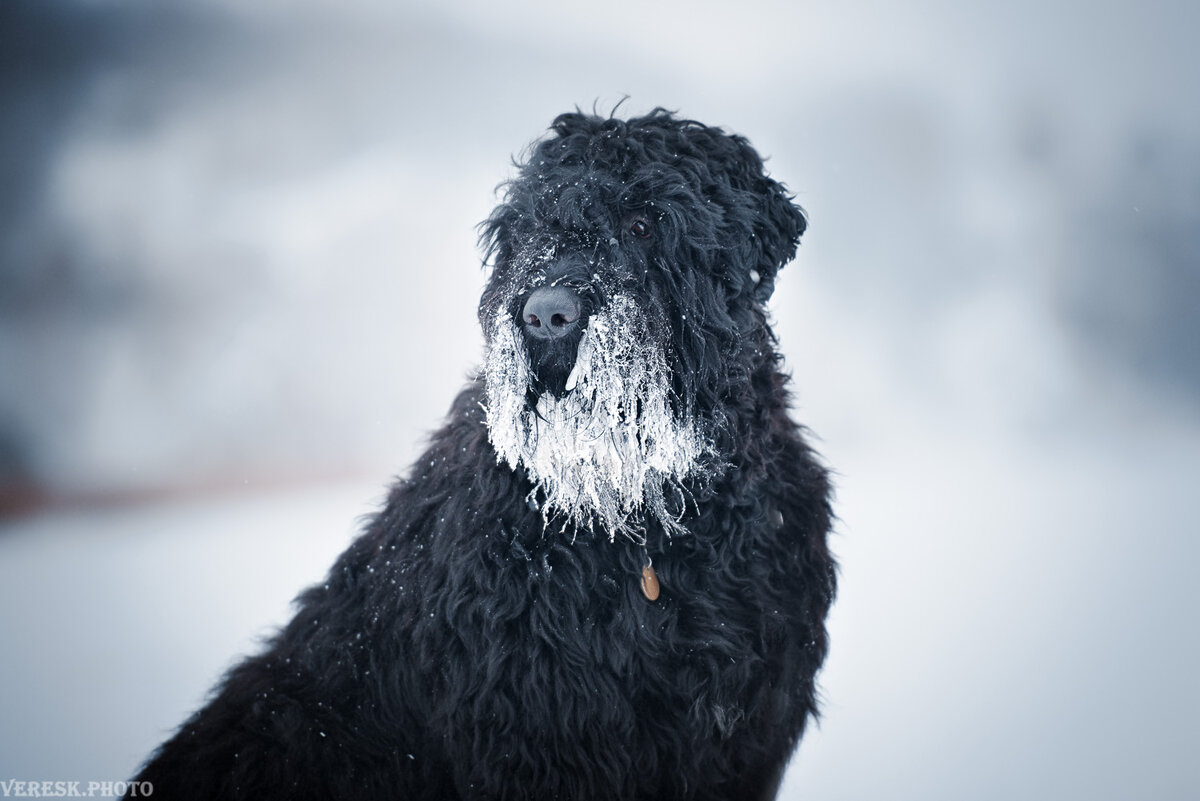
[(611, 449)]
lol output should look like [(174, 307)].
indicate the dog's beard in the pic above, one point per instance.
[(611, 449)]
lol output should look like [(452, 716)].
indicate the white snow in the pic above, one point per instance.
[(611, 448)]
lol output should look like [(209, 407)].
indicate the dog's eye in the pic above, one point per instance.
[(640, 227)]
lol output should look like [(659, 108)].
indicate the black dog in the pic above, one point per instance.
[(607, 578)]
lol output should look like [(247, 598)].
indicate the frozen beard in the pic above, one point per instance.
[(611, 449)]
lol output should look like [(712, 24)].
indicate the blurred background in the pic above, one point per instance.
[(238, 279)]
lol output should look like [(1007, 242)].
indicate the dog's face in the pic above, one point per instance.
[(630, 261)]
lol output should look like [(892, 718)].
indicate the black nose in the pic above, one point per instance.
[(551, 312)]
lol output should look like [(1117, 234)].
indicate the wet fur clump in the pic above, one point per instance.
[(487, 636)]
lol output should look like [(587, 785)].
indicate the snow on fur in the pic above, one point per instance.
[(611, 448)]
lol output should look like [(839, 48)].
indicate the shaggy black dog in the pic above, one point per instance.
[(607, 578)]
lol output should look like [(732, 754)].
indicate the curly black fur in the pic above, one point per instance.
[(471, 644)]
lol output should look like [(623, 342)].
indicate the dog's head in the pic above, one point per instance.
[(631, 260)]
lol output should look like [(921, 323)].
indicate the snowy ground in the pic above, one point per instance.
[(118, 622)]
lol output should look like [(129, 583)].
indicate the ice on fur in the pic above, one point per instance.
[(610, 449)]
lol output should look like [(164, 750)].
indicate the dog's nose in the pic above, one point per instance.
[(551, 312)]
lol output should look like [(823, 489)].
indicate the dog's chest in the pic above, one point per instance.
[(544, 620), (550, 647)]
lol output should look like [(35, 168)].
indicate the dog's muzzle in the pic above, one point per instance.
[(553, 319)]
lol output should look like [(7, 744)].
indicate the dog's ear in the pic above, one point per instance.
[(776, 226)]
